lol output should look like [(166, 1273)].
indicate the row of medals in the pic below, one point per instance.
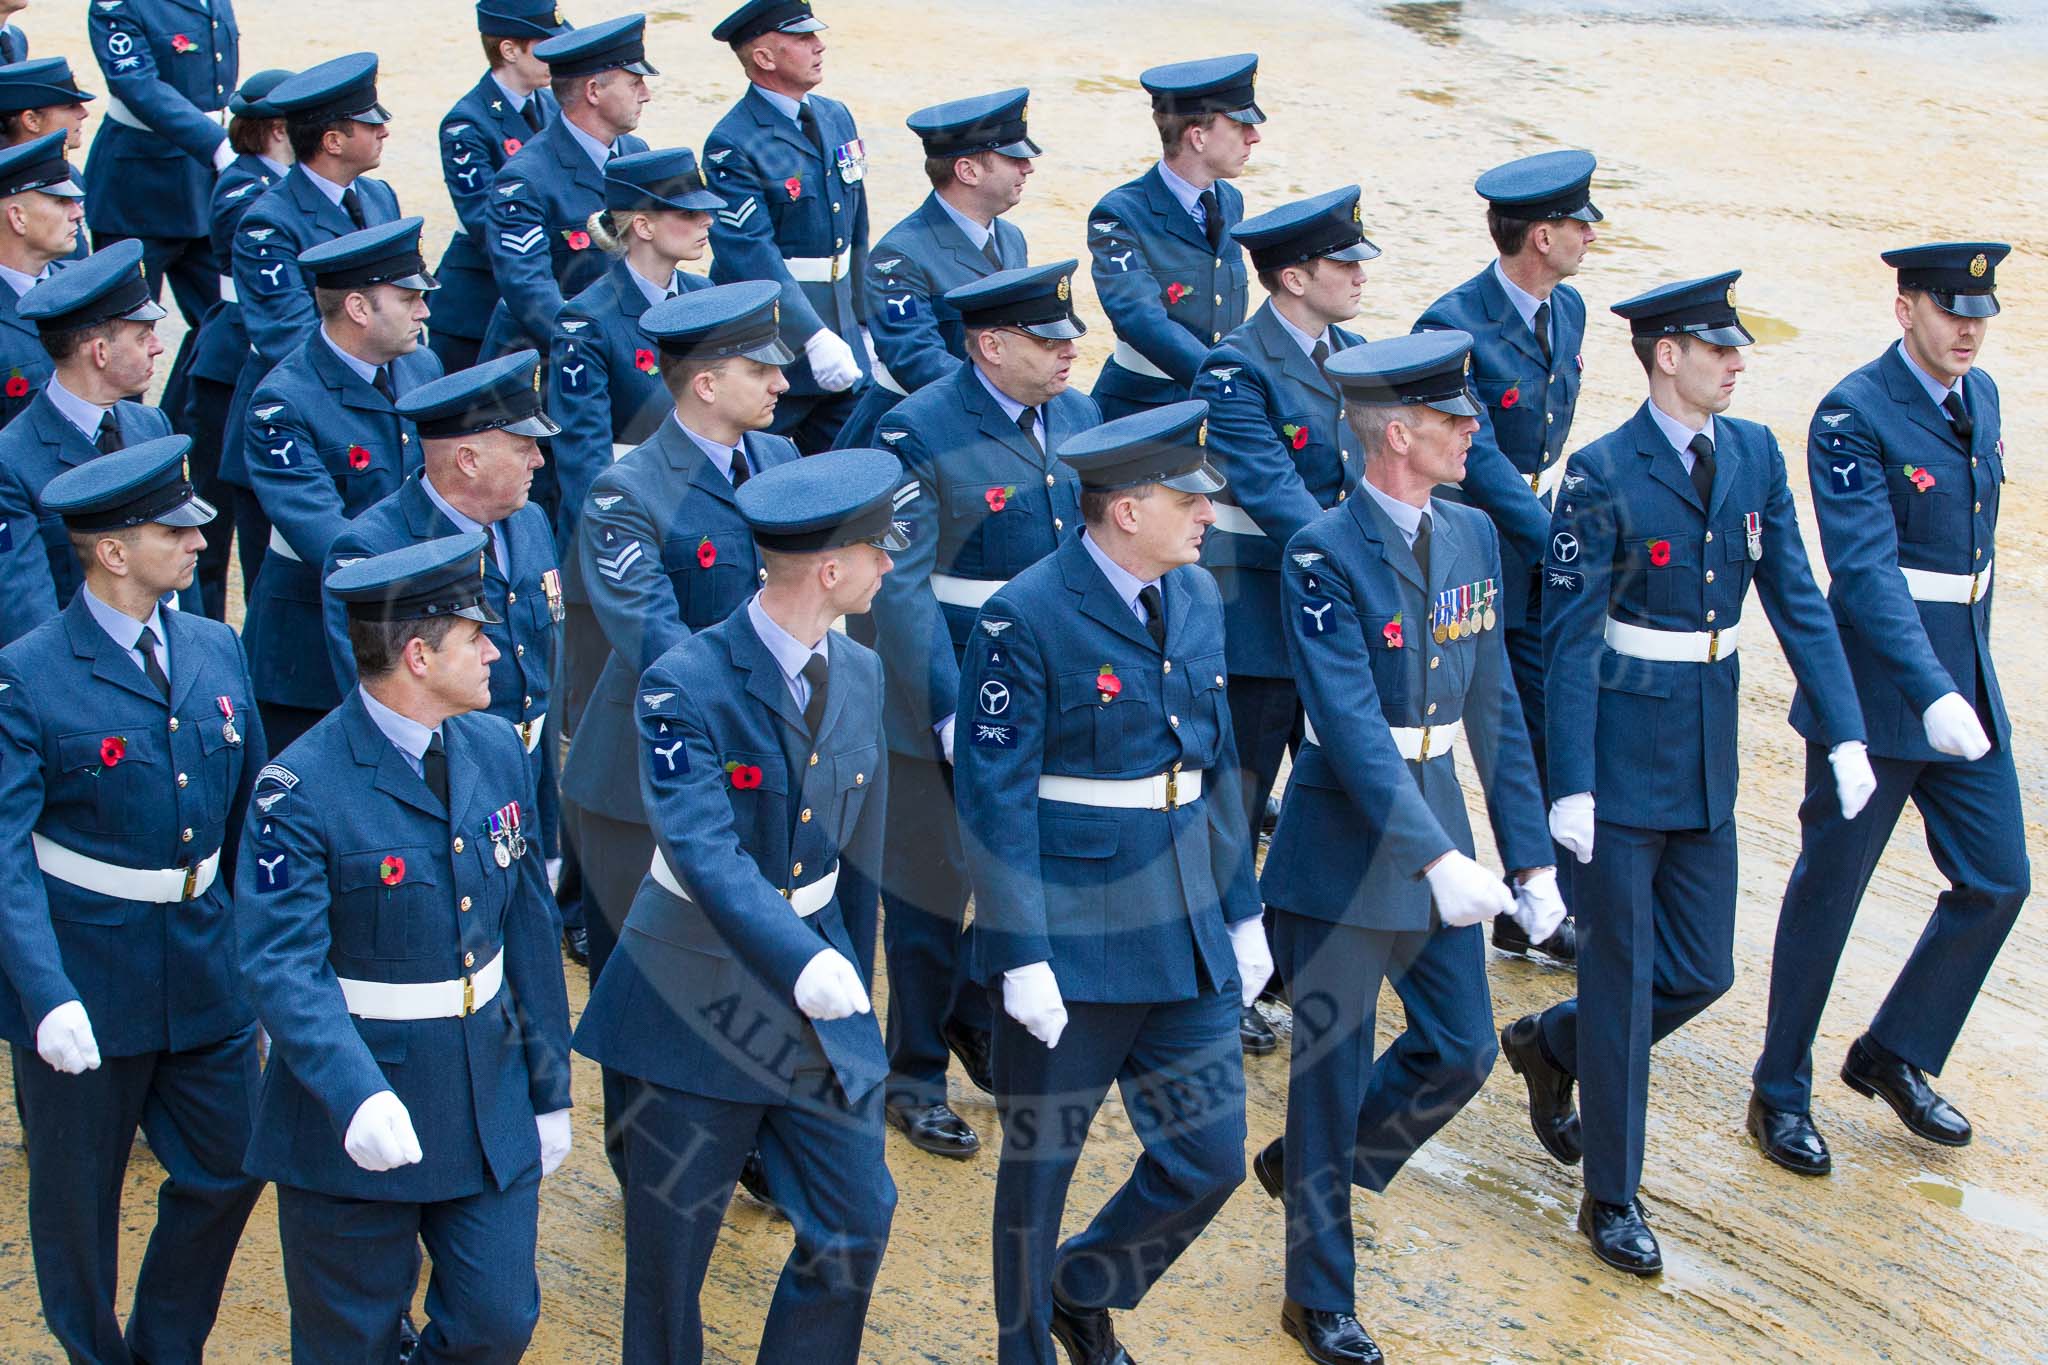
[(1453, 625)]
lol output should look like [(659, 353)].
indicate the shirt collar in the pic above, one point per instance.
[(1122, 581), (790, 653), (1678, 433), (719, 455), (81, 414), (600, 152), (1525, 302), (120, 627), (365, 371), (1935, 389), (976, 233), (782, 102), (1190, 198), (1406, 516), (325, 186), (1010, 406), (655, 293), (463, 521), (275, 167), (1301, 338), (407, 735), (17, 281), (513, 97)]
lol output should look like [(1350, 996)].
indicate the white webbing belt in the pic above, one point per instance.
[(884, 378), (530, 731), (1672, 646), (1234, 519), (280, 546), (228, 293), (1546, 480), (158, 886), (966, 592), (407, 1000), (806, 900), (1417, 743), (1132, 359), (1167, 791), (1927, 586), (818, 269), (619, 449)]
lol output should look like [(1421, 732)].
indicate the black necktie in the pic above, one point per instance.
[(1027, 422), (352, 205), (740, 472), (1703, 468), (434, 767), (381, 382), (1155, 613), (814, 709), (530, 111), (1320, 355), (1423, 531), (807, 119), (989, 249), (1212, 218), (110, 433), (145, 644), (1541, 326), (1958, 415)]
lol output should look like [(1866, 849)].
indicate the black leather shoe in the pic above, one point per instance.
[(1871, 1071), (408, 1338), (576, 943), (1620, 1237), (971, 1046), (1269, 819), (1255, 1033), (1328, 1338), (1562, 946), (1551, 1111), (1270, 1166), (1789, 1139), (1088, 1335), (754, 1180), (936, 1129)]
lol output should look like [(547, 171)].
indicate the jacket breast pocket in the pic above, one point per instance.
[(1923, 513), (119, 776), (852, 772), (1516, 410), (223, 757), (1389, 666), (758, 788), (712, 571), (385, 903), (973, 526), (1091, 730), (1207, 678), (1668, 568)]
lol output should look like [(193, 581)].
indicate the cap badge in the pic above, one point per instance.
[(775, 312), (186, 471), (479, 563), (1066, 288), (1202, 433), (1731, 296), (1024, 114), (1978, 265), (536, 378), (1354, 213)]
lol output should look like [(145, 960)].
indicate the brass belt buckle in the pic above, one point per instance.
[(1424, 753), (1173, 791), (835, 267), (1976, 588), (468, 996), (191, 882), (1713, 645), (1536, 484)]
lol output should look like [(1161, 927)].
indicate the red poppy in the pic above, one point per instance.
[(17, 387), (358, 458), (1296, 434), (1176, 291), (998, 498), (745, 776), (1511, 397), (579, 240), (181, 44), (392, 870), (113, 749), (1392, 633), (512, 146), (707, 553), (795, 186), (1921, 477), (1107, 684), (643, 361), (1660, 552)]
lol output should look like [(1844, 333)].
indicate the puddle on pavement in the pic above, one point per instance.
[(1433, 21), (1447, 1163), (1981, 1205), (1441, 98), (1766, 329), (1106, 85)]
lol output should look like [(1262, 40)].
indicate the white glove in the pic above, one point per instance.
[(946, 736), (64, 1039), (1539, 909), (1854, 781), (1465, 892), (829, 988), (832, 362), (1571, 824), (867, 340), (1254, 958), (554, 868), (1953, 727), (554, 1140), (1031, 996), (223, 156), (380, 1136)]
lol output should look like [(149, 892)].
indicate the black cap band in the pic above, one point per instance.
[(144, 509), (363, 274), (130, 295), (866, 526)]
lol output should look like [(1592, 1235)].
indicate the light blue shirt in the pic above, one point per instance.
[(790, 653), (1679, 434), (464, 522), (975, 232), (1301, 338), (1122, 581), (1010, 406), (656, 293), (407, 735), (1188, 196), (600, 152), (1936, 390), (783, 102), (276, 167), (364, 370), (721, 456), (513, 97), (19, 282), (125, 631), (81, 414), (326, 186), (1525, 302), (1407, 517)]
